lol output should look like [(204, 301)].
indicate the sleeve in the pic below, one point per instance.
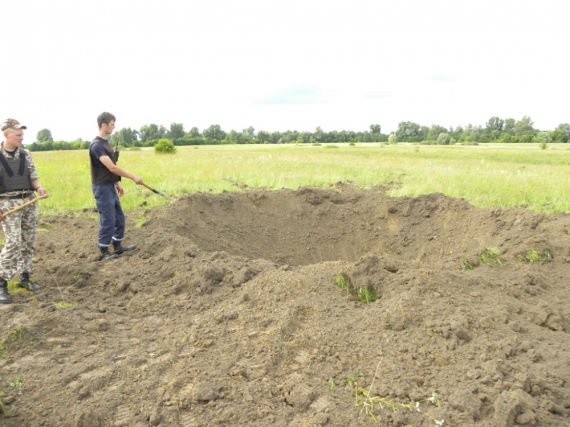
[(31, 166), (97, 151)]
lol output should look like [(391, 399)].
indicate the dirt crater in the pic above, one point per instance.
[(228, 314), (315, 225)]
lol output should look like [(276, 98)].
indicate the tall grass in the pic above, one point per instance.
[(487, 175)]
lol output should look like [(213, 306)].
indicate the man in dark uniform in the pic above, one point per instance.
[(106, 186), (18, 181)]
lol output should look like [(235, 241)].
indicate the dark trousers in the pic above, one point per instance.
[(111, 216)]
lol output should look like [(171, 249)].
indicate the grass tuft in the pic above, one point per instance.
[(343, 282), (547, 255), (13, 287), (491, 257), (373, 405), (466, 264), (140, 222), (62, 304), (16, 383), (534, 256), (366, 294), (11, 340)]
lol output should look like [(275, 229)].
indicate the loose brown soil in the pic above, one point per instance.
[(228, 315)]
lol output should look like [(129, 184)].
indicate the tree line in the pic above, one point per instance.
[(495, 130)]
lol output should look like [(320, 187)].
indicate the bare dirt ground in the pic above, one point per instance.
[(228, 315)]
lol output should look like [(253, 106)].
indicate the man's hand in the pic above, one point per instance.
[(137, 180), (120, 190), (42, 192)]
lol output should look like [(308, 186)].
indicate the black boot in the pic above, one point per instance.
[(119, 249), (106, 255), (5, 297), (26, 283)]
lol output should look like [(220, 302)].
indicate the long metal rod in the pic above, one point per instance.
[(156, 191)]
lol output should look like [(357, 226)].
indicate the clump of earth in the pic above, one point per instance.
[(229, 314)]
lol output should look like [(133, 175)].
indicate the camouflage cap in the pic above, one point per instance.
[(12, 124)]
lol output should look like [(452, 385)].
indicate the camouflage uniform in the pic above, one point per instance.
[(20, 228)]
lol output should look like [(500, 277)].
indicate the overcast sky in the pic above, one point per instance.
[(282, 65)]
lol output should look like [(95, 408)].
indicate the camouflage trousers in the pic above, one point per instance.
[(20, 229)]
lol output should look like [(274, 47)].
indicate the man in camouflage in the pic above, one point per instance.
[(18, 181)]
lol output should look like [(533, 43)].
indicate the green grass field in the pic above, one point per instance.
[(488, 175)]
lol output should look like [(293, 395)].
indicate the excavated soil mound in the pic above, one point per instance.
[(228, 314)]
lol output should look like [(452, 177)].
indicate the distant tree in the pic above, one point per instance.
[(561, 133), (434, 132), (375, 132), (495, 135), (366, 137), (542, 137), (510, 126), (524, 127), (176, 131), (476, 134), (275, 137), (232, 137), (408, 131), (246, 137), (305, 136), (443, 138), (564, 127), (150, 132), (456, 133), (250, 131), (471, 133), (393, 139), (214, 132), (293, 135), (125, 137), (495, 124), (194, 133), (263, 136), (44, 135), (318, 134), (507, 137)]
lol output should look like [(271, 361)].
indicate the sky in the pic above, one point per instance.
[(282, 65)]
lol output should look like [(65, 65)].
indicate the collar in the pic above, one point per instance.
[(5, 152)]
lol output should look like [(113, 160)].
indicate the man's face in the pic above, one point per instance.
[(109, 128), (14, 137)]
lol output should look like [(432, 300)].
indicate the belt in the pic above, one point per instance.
[(18, 196)]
